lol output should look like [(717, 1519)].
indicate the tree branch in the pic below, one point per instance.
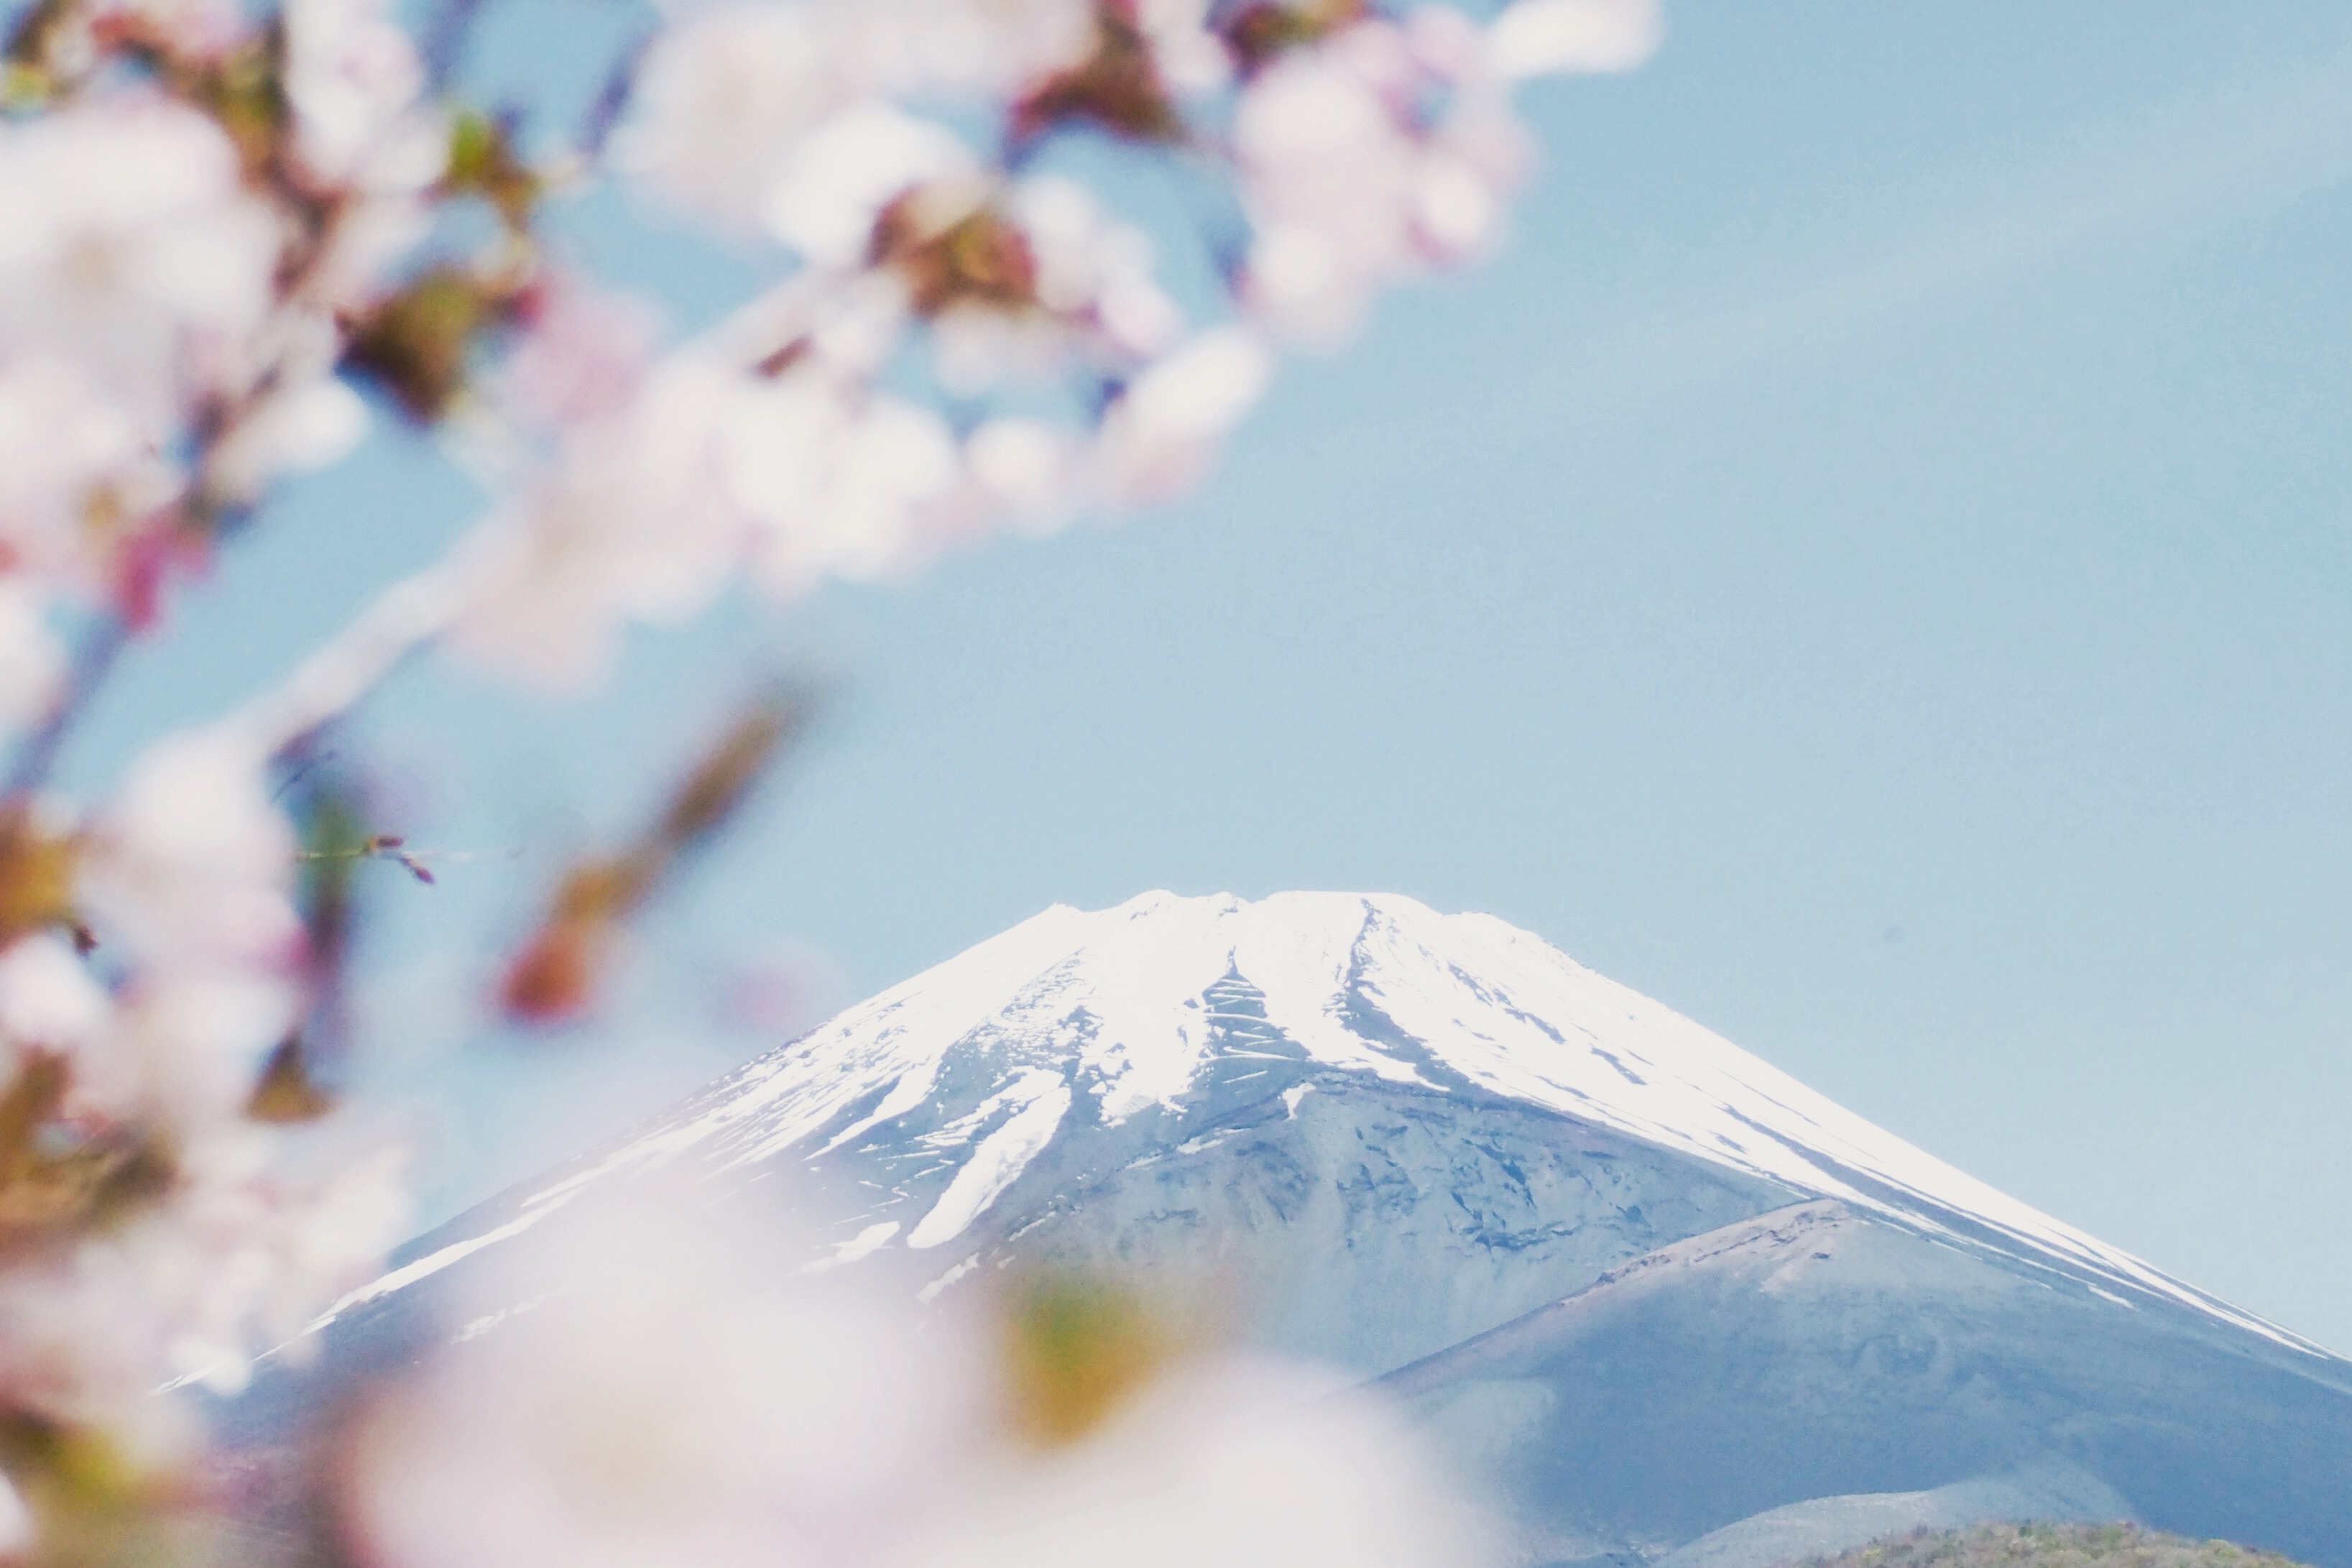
[(36, 753)]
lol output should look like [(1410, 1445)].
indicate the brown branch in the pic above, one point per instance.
[(558, 973)]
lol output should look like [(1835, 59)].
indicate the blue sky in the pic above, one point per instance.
[(1868, 567)]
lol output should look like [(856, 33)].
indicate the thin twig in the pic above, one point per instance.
[(604, 111)]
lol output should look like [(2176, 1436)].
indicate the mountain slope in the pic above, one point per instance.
[(1885, 1376), (2051, 1546)]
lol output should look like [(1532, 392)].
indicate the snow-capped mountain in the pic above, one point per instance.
[(1560, 1219)]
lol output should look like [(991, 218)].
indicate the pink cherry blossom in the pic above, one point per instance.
[(1543, 37), (583, 354), (189, 874), (50, 1004), (1229, 1459), (353, 79), (1156, 440), (575, 1427), (77, 473), (133, 250), (950, 341), (32, 659), (723, 103)]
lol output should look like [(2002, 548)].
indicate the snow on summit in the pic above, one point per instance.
[(1124, 1010)]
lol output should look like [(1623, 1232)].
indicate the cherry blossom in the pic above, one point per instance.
[(353, 79), (220, 1235), (79, 483), (32, 660), (723, 100), (970, 47), (1024, 469), (206, 31), (1157, 439), (189, 874), (50, 1004), (254, 1243), (1226, 1459), (794, 1419), (16, 1532), (830, 189), (1544, 37), (824, 1418), (1350, 190), (1365, 149), (221, 226), (730, 101), (233, 1263), (133, 250), (1093, 291), (581, 356)]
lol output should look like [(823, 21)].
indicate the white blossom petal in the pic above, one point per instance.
[(1159, 437), (1547, 37)]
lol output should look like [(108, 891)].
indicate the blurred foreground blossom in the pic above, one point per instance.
[(153, 1227), (232, 236), (133, 250), (661, 1394), (1351, 187), (741, 103), (32, 659), (1230, 1459), (650, 1388), (1540, 38), (1167, 429), (1363, 149)]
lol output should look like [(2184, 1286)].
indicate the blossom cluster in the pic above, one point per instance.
[(197, 206), (231, 236), (963, 337)]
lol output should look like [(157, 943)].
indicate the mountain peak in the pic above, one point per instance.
[(1076, 1018)]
